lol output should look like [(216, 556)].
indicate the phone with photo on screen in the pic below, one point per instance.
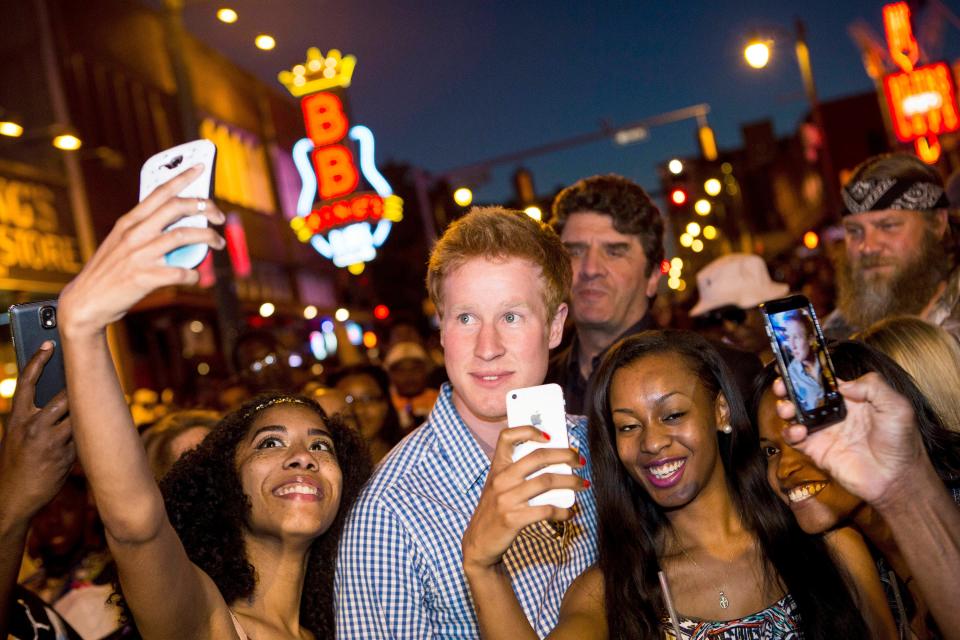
[(542, 407), (165, 166), (803, 361)]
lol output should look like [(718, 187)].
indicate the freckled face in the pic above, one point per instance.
[(288, 469), (496, 334), (666, 429)]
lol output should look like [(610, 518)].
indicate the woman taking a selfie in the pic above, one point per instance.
[(245, 546), (692, 541), (821, 505)]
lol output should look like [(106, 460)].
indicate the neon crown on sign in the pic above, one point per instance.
[(319, 73)]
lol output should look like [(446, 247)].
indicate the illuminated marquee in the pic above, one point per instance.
[(922, 99), (345, 226), (38, 248)]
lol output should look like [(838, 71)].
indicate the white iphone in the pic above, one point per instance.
[(544, 408), (168, 164)]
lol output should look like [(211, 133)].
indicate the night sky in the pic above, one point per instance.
[(443, 84)]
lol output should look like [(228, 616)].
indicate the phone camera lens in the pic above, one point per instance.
[(513, 397), (48, 317)]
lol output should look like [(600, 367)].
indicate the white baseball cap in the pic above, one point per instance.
[(404, 351), (739, 279)]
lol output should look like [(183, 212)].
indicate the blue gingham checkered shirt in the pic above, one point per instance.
[(399, 571)]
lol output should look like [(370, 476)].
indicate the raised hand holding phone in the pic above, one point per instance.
[(542, 407), (32, 325), (130, 262), (504, 507), (168, 164), (873, 449), (37, 452)]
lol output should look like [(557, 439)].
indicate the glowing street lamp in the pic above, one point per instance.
[(463, 196), (757, 53), (675, 167), (712, 187), (702, 207)]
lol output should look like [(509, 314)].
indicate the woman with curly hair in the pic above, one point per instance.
[(241, 543)]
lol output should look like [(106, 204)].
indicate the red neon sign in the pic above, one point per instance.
[(327, 125), (345, 226), (903, 47), (366, 206), (922, 102), (325, 120)]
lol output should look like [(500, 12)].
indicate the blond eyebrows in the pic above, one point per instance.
[(496, 233)]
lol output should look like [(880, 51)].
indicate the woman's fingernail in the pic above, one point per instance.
[(47, 345), (583, 461), (586, 484), (545, 435)]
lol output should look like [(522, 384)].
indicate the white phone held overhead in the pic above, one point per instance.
[(165, 166), (544, 408)]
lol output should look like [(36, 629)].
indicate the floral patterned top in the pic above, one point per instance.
[(779, 621)]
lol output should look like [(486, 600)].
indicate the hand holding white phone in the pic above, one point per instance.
[(166, 165), (543, 407)]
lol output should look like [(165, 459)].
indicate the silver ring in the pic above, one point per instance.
[(201, 205)]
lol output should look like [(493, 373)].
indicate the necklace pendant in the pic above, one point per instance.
[(724, 602)]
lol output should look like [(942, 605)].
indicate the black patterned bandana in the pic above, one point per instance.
[(880, 194)]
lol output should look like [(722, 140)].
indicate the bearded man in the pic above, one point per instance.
[(899, 257)]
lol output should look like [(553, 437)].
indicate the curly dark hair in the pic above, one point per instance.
[(632, 527), (208, 509), (632, 210)]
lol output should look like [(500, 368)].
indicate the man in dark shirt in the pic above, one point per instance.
[(614, 233)]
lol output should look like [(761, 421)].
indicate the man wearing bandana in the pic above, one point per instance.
[(899, 257)]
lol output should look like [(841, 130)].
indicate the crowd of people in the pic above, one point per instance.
[(384, 499)]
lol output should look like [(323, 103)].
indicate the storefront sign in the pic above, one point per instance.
[(346, 225), (38, 247)]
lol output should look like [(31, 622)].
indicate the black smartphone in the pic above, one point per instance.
[(31, 325), (803, 361)]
